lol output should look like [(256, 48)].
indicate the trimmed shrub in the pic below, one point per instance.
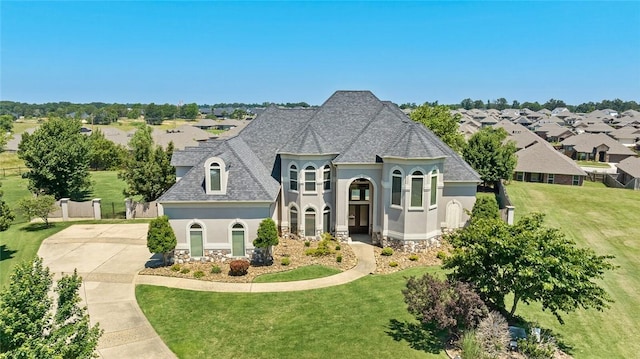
[(339, 259), (216, 269), (393, 264), (441, 255), (175, 267), (198, 274), (387, 251), (285, 261), (470, 347), (413, 257), (238, 267), (185, 270), (338, 247), (307, 244)]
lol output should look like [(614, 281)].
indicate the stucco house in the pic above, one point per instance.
[(354, 165)]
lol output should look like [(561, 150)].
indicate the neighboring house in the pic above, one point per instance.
[(598, 128), (553, 132), (595, 147), (629, 173), (519, 134), (355, 165), (540, 162), (628, 136), (181, 136)]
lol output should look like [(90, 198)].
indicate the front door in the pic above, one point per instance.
[(359, 218)]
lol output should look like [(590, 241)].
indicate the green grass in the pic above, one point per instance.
[(356, 320), (592, 164), (607, 220), (9, 162), (302, 273)]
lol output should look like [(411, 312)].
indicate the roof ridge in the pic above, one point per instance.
[(373, 118), (241, 158)]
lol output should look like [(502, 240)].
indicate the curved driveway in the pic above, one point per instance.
[(109, 256)]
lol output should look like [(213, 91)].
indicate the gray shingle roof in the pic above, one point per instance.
[(542, 158), (585, 142), (630, 165)]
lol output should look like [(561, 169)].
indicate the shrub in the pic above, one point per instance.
[(485, 208), (413, 257), (307, 244), (393, 264), (267, 234), (185, 270), (175, 267), (198, 274), (387, 251), (339, 259), (322, 249), (286, 261), (238, 267), (216, 269), (470, 347), (531, 348), (441, 255), (493, 335), (326, 236), (338, 247)]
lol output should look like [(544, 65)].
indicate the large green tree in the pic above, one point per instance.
[(161, 238), (530, 261), (189, 111), (6, 123), (32, 325), (148, 171), (6, 215), (104, 154), (57, 156), (490, 155), (442, 123)]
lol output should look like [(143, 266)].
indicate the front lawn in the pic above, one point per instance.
[(607, 220), (302, 273), (592, 164), (355, 320)]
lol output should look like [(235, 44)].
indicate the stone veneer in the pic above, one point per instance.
[(410, 246), (210, 255)]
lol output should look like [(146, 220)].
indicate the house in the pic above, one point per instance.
[(629, 172), (354, 165), (540, 162), (598, 128), (595, 147), (628, 136)]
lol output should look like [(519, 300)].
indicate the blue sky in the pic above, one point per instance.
[(211, 52)]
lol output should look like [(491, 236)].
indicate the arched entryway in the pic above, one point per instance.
[(360, 213)]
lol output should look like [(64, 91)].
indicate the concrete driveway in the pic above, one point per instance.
[(108, 256)]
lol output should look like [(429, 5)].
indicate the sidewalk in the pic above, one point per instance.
[(366, 265)]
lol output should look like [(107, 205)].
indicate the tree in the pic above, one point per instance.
[(148, 171), (515, 104), (160, 237), (485, 208), (57, 156), (448, 304), (553, 104), (530, 261), (190, 111), (6, 215), (467, 104), (501, 103), (104, 154), (238, 114), (33, 326), (489, 155), (37, 206), (533, 106), (153, 114), (267, 237), (440, 121), (6, 123)]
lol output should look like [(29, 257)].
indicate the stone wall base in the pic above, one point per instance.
[(410, 246), (210, 255)]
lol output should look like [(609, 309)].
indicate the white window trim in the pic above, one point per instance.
[(223, 176), (411, 177), (402, 185), (294, 206), (316, 220), (315, 179), (204, 236), (327, 168), (325, 209), (297, 179), (230, 236), (434, 173)]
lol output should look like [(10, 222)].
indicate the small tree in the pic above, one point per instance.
[(489, 154), (447, 304), (442, 123), (267, 237), (485, 208), (6, 215), (160, 237), (38, 207), (32, 326)]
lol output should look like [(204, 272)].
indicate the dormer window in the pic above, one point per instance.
[(215, 176)]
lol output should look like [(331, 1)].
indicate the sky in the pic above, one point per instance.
[(255, 52)]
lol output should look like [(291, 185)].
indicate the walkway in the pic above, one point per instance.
[(109, 256)]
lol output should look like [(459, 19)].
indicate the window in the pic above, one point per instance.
[(396, 188), (434, 188), (326, 176), (535, 177), (417, 184), (310, 179), (237, 240), (576, 180), (550, 178), (293, 220), (519, 176), (293, 178), (214, 177), (196, 240), (326, 220), (310, 222)]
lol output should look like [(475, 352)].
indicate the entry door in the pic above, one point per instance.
[(196, 243), (359, 218)]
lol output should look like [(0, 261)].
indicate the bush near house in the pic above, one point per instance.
[(238, 267)]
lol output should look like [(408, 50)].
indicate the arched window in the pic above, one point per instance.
[(417, 185), (310, 179), (215, 180), (326, 177), (237, 240), (326, 220), (310, 222), (215, 176), (293, 220), (434, 188), (396, 188), (196, 240), (293, 178)]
